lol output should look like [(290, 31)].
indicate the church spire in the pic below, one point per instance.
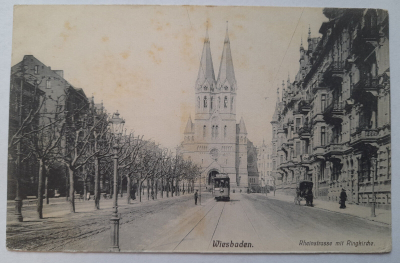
[(301, 44), (277, 95), (226, 72), (206, 70)]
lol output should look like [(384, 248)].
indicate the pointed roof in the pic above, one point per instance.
[(189, 126), (242, 126), (226, 71), (206, 70)]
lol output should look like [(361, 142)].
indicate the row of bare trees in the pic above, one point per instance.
[(59, 132)]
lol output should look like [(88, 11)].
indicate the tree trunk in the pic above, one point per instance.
[(39, 203), (128, 189), (140, 191), (167, 187), (162, 187), (84, 188), (148, 189), (172, 188), (66, 184), (71, 190), (156, 189), (152, 188), (96, 184), (46, 188)]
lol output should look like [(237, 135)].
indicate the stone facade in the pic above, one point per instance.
[(332, 123), (214, 140)]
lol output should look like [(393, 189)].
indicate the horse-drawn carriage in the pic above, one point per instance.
[(304, 192)]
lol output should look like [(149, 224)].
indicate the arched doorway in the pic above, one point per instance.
[(211, 175)]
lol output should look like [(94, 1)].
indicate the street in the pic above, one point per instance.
[(247, 223)]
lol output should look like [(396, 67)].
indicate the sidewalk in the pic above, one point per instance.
[(382, 215), (59, 208)]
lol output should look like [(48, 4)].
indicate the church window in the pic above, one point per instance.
[(205, 87), (205, 101), (226, 102), (211, 102), (216, 131), (226, 87), (225, 128), (204, 131), (219, 102), (212, 131), (198, 102), (231, 104)]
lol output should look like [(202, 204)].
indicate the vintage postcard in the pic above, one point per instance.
[(199, 129)]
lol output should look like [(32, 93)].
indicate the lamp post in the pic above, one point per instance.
[(117, 125)]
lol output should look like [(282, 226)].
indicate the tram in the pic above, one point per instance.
[(222, 187)]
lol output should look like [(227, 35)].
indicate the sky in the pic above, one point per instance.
[(143, 60)]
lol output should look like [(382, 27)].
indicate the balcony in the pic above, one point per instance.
[(304, 106), (304, 132), (334, 112), (365, 84), (364, 135), (335, 70), (306, 158), (335, 149)]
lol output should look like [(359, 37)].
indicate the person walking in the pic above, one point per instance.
[(196, 195), (343, 198)]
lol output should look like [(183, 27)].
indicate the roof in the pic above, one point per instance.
[(206, 70), (226, 71)]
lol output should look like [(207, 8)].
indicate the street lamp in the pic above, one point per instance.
[(117, 125)]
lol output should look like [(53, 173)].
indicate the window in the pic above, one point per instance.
[(226, 102), (216, 131), (323, 102), (298, 124), (211, 102), (219, 102), (205, 87), (198, 102), (48, 84), (323, 136), (36, 69), (281, 159), (205, 101), (298, 149), (204, 131), (212, 131), (231, 104), (225, 130)]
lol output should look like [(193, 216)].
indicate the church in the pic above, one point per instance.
[(214, 139)]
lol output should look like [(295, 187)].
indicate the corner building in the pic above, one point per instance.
[(332, 124), (214, 140)]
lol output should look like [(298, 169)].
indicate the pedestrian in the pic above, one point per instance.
[(343, 198), (196, 195)]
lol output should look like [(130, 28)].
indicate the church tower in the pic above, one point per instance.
[(211, 140)]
